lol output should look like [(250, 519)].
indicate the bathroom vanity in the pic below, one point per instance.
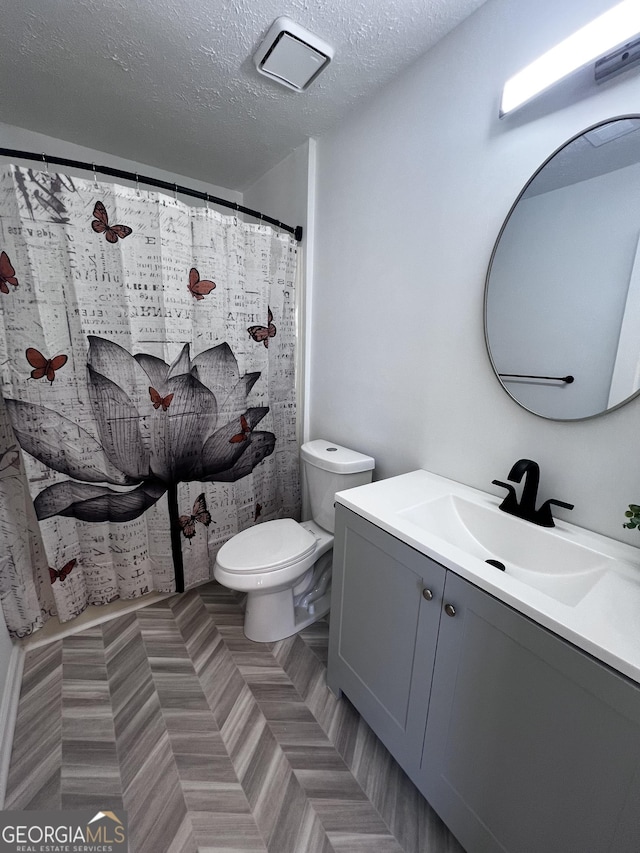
[(494, 696)]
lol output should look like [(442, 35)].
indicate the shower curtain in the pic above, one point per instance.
[(148, 406)]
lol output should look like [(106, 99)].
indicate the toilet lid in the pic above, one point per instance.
[(265, 547)]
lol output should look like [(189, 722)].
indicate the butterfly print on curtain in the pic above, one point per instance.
[(44, 366), (158, 401), (64, 571), (197, 287), (7, 273), (101, 225), (263, 333), (200, 514)]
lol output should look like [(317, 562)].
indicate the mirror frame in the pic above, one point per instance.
[(635, 116)]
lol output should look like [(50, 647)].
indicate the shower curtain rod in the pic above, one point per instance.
[(153, 182)]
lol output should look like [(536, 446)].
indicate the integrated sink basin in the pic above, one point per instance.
[(541, 557), (583, 586)]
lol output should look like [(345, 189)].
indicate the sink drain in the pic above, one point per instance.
[(497, 564)]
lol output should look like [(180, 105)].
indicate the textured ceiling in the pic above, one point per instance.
[(170, 83)]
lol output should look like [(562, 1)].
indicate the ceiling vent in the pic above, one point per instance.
[(291, 55)]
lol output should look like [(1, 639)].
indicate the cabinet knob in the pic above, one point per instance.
[(426, 593), (450, 610)]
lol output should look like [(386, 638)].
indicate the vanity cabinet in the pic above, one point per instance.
[(384, 627), (520, 741)]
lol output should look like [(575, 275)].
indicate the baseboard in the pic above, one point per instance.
[(8, 713)]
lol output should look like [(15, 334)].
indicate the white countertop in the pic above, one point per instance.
[(605, 622)]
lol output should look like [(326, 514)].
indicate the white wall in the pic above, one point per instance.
[(287, 193), (283, 191), (26, 140), (411, 194)]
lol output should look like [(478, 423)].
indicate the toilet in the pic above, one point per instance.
[(284, 566)]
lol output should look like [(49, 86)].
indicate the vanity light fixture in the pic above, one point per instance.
[(608, 31), (291, 55)]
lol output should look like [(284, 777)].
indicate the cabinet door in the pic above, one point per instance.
[(383, 632), (531, 745)]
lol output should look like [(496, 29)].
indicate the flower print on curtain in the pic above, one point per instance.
[(152, 421)]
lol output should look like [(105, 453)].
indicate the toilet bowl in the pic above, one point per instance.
[(274, 564), (284, 566)]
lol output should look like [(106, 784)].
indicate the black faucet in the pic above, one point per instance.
[(526, 509)]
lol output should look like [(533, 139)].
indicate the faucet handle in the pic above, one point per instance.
[(544, 516), (510, 501), (563, 504)]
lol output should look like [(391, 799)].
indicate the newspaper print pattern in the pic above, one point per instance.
[(102, 462)]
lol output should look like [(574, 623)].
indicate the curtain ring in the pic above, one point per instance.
[(206, 201), (137, 185), (175, 192), (46, 163), (95, 176)]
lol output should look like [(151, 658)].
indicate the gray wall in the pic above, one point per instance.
[(411, 194)]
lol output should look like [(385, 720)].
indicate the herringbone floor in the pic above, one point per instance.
[(210, 742)]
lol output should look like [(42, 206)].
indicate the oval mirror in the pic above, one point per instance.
[(562, 297)]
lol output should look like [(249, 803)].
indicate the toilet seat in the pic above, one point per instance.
[(266, 547)]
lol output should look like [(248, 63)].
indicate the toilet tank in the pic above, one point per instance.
[(329, 468)]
